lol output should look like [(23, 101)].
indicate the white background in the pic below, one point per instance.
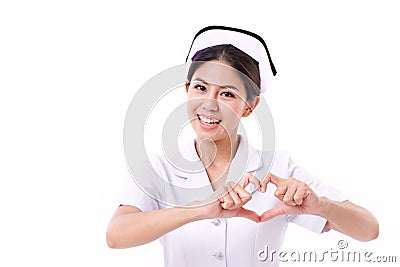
[(69, 69)]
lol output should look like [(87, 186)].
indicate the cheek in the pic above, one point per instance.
[(232, 114), (236, 109), (191, 98), (191, 106)]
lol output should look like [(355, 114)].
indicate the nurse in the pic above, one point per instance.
[(229, 69)]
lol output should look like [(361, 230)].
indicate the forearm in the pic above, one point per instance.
[(349, 219), (134, 229)]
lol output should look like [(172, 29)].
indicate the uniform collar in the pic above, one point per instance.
[(246, 159)]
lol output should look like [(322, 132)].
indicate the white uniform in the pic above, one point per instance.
[(233, 242)]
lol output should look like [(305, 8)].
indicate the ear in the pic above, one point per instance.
[(187, 84), (251, 106)]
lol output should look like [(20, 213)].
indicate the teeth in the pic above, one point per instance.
[(208, 120)]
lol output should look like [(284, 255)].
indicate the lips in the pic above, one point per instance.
[(208, 120)]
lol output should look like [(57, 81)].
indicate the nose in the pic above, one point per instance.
[(210, 104)]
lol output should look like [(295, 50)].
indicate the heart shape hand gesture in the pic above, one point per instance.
[(295, 196)]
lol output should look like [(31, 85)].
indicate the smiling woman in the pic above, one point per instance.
[(229, 69), (216, 102)]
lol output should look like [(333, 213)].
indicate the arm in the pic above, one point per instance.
[(349, 219), (130, 227), (298, 198)]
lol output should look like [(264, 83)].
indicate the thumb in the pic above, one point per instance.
[(249, 214), (272, 213)]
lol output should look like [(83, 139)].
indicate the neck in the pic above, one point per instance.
[(217, 152)]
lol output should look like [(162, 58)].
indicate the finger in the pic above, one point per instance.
[(249, 214), (242, 194), (264, 183), (272, 213), (237, 202), (227, 202), (247, 179), (281, 191), (290, 192), (275, 179), (220, 194), (238, 194), (300, 194)]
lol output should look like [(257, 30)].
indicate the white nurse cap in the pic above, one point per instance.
[(250, 43)]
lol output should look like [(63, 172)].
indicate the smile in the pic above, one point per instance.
[(208, 120)]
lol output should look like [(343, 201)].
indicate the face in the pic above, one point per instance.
[(216, 101)]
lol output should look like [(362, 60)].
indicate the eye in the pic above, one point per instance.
[(227, 94), (200, 87)]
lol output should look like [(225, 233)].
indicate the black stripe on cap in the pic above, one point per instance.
[(236, 30)]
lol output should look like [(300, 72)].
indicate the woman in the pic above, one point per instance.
[(229, 69)]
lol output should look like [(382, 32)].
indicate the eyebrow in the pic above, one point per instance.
[(223, 86)]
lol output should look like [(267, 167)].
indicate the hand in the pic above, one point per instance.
[(228, 201), (296, 197)]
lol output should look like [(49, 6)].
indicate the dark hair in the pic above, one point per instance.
[(246, 65)]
